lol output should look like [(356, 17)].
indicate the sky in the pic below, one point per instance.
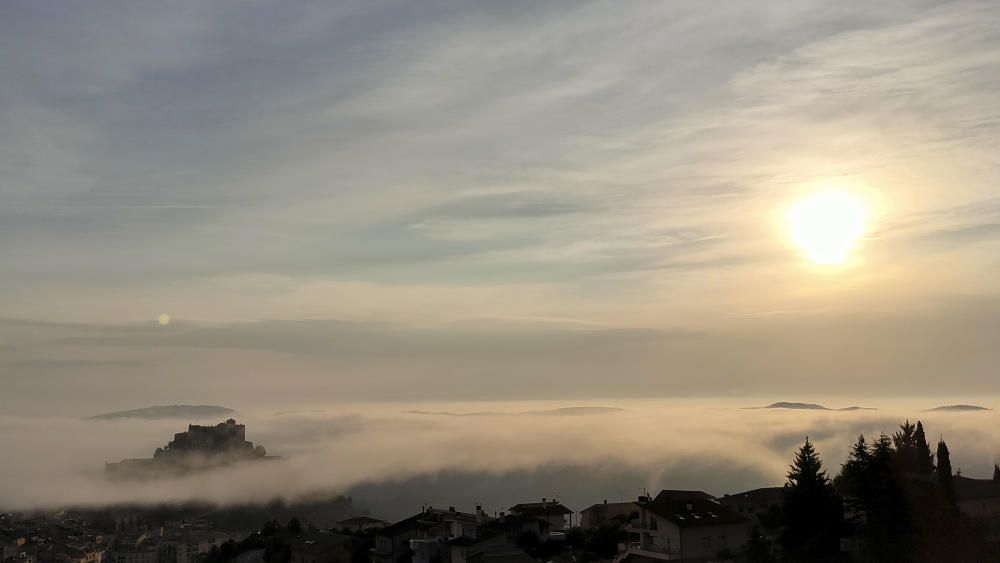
[(261, 203)]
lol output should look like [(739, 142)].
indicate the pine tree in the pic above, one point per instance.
[(887, 528), (812, 511), (807, 470), (881, 452), (996, 472), (925, 459), (944, 471), (905, 444), (853, 473)]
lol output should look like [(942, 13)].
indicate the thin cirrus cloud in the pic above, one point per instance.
[(384, 162)]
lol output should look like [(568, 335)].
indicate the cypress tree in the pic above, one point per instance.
[(925, 459), (944, 471), (996, 472)]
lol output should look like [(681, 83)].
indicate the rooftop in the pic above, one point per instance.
[(607, 505), (692, 511), (756, 496), (543, 508)]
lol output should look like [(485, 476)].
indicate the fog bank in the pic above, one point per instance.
[(392, 461)]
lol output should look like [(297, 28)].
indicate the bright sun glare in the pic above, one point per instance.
[(825, 225)]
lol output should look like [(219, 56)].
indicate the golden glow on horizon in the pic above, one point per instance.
[(827, 224), (163, 319)]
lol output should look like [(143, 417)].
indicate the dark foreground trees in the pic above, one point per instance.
[(889, 503)]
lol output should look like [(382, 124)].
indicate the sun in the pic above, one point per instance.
[(827, 224)]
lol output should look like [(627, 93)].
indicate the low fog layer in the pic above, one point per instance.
[(392, 461)]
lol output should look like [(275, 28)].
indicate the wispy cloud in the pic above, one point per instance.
[(422, 164)]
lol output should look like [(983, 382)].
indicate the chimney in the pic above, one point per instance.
[(451, 509), (605, 501), (543, 502)]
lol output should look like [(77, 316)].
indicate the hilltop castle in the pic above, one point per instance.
[(201, 447)]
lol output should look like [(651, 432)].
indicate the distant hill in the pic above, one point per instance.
[(810, 407), (564, 411), (958, 408), (169, 411), (577, 411), (797, 406)]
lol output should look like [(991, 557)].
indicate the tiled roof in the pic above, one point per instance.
[(693, 512), (402, 525), (606, 505), (540, 509), (681, 495), (762, 495)]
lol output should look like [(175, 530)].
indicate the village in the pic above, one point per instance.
[(672, 525)]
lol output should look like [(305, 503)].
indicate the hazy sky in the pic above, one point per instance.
[(492, 200)]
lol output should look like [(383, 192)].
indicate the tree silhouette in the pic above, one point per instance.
[(904, 442), (925, 459), (812, 510), (854, 472), (944, 471), (886, 530)]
